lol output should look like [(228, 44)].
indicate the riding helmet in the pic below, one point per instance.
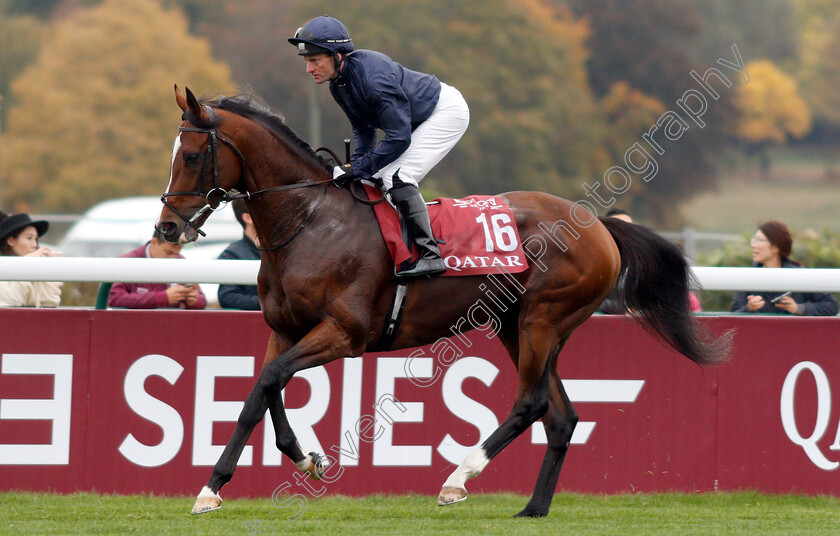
[(322, 34)]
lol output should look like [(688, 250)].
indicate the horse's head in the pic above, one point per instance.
[(205, 166)]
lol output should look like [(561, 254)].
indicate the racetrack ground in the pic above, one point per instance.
[(742, 513)]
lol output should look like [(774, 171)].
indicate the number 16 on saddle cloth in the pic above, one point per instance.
[(479, 235)]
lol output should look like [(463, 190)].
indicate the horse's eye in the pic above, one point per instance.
[(191, 158)]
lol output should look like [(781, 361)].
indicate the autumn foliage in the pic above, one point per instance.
[(94, 116), (558, 90)]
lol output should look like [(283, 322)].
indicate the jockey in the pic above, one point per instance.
[(421, 117)]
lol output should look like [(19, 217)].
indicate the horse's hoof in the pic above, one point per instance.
[(527, 512), (451, 495), (314, 464), (207, 501)]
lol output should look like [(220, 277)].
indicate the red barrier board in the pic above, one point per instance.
[(779, 407), (143, 401)]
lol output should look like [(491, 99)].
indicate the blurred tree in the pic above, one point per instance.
[(95, 115), (251, 38), (819, 64), (519, 65), (629, 113), (198, 11), (20, 39), (38, 8), (761, 28), (649, 44), (770, 110), (47, 10), (643, 42)]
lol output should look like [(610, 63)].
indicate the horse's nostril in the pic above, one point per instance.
[(168, 230)]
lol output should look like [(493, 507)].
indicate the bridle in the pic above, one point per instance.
[(218, 197)]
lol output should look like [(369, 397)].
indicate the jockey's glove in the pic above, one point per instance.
[(344, 174)]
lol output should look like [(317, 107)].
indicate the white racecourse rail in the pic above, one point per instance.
[(232, 272)]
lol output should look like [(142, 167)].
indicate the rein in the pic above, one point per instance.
[(355, 181), (217, 197)]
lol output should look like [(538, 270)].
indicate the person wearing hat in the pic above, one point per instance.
[(422, 119), (19, 237)]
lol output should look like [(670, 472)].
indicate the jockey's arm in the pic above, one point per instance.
[(394, 115)]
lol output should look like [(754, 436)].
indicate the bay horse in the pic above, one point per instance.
[(325, 285)]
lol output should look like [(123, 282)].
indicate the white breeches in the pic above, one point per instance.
[(430, 141)]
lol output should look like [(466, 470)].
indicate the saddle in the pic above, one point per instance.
[(477, 234)]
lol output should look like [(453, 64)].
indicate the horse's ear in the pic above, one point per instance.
[(194, 106), (179, 98)]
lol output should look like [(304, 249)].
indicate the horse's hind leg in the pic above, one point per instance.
[(559, 423), (532, 402)]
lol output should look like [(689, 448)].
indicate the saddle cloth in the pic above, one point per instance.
[(479, 232)]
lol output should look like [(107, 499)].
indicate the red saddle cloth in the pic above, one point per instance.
[(480, 234)]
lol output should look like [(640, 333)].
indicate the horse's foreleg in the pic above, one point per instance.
[(308, 462), (559, 423), (252, 413), (327, 342)]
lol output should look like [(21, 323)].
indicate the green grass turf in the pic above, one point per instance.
[(672, 514)]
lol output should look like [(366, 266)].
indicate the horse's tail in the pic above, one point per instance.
[(655, 279)]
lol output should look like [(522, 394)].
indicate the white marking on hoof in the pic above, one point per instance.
[(314, 464), (207, 501), (449, 495)]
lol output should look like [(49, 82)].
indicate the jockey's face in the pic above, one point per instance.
[(321, 67)]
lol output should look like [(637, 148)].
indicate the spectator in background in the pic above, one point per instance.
[(156, 295), (619, 214), (19, 237), (771, 247), (241, 296), (613, 304)]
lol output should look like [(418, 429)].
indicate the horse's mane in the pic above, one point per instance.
[(253, 107)]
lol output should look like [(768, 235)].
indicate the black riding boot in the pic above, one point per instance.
[(413, 209)]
